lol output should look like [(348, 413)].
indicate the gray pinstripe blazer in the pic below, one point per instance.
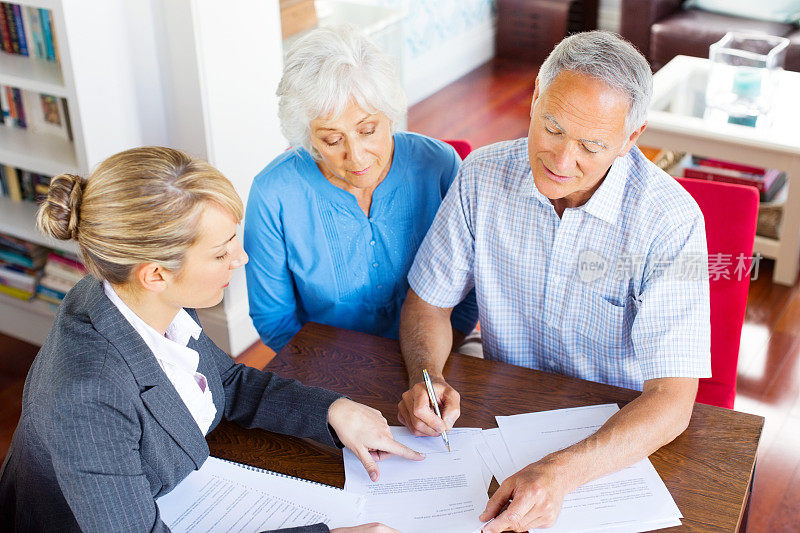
[(103, 432)]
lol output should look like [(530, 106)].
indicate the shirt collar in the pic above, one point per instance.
[(605, 203), (172, 347)]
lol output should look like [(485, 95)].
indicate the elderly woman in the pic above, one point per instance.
[(332, 225)]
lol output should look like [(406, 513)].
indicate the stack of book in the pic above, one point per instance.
[(61, 272), (36, 112), (21, 265), (22, 185), (768, 181), (27, 31)]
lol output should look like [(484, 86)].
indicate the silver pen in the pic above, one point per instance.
[(435, 402)]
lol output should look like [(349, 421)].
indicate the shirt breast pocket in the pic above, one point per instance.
[(598, 323)]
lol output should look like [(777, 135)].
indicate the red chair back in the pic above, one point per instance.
[(730, 213), (463, 147)]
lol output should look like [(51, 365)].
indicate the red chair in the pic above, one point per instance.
[(730, 213), (463, 148)]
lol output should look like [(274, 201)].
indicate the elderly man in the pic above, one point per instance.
[(587, 261)]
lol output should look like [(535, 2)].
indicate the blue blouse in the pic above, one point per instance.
[(316, 257)]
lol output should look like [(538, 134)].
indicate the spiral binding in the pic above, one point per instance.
[(273, 473)]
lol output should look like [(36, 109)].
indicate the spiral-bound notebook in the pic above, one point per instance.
[(227, 496)]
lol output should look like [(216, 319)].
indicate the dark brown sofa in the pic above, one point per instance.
[(662, 29)]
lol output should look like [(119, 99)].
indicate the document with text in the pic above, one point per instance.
[(445, 492), (231, 497), (633, 499)]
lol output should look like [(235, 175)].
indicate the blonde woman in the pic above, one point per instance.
[(119, 399)]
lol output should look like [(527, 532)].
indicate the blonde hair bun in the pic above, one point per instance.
[(60, 212)]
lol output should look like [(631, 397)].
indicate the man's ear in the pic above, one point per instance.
[(152, 276), (632, 140), (535, 94)]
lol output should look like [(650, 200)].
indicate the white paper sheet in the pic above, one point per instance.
[(633, 499), (445, 492), (495, 453), (223, 496)]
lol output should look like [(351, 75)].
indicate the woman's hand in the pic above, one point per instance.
[(365, 432), (366, 528)]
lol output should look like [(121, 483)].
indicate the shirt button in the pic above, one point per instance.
[(372, 243), (375, 265)]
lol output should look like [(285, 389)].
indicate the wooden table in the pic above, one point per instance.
[(707, 469)]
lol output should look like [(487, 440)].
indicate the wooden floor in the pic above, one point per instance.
[(491, 104)]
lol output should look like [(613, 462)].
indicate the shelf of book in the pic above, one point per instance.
[(42, 153), (32, 75), (19, 219)]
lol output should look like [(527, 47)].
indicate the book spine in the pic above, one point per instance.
[(695, 173), (16, 259), (56, 270), (28, 28), (50, 293), (20, 108), (13, 184), (67, 121), (53, 37), (6, 108), (23, 40), (5, 33), (58, 284), (3, 181), (27, 186), (42, 187), (66, 262), (769, 177), (16, 293), (719, 163), (47, 30), (12, 28), (770, 194), (35, 28), (12, 278), (9, 101)]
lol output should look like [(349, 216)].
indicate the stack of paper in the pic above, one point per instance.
[(445, 493), (226, 496), (633, 499)]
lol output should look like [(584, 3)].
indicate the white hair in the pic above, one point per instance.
[(609, 58), (327, 69)]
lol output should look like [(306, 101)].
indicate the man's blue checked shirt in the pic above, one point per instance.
[(615, 291)]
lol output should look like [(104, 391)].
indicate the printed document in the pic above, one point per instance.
[(633, 499), (226, 496), (445, 492)]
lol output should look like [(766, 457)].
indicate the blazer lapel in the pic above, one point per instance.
[(158, 394)]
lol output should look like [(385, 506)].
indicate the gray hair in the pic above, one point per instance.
[(327, 69), (609, 58)]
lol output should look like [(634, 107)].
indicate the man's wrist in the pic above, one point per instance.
[(415, 375)]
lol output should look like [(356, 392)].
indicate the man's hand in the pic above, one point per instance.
[(416, 413), (365, 432), (536, 500)]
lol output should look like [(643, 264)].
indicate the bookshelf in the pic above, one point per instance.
[(189, 74)]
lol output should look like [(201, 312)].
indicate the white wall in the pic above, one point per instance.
[(444, 39), (205, 78)]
